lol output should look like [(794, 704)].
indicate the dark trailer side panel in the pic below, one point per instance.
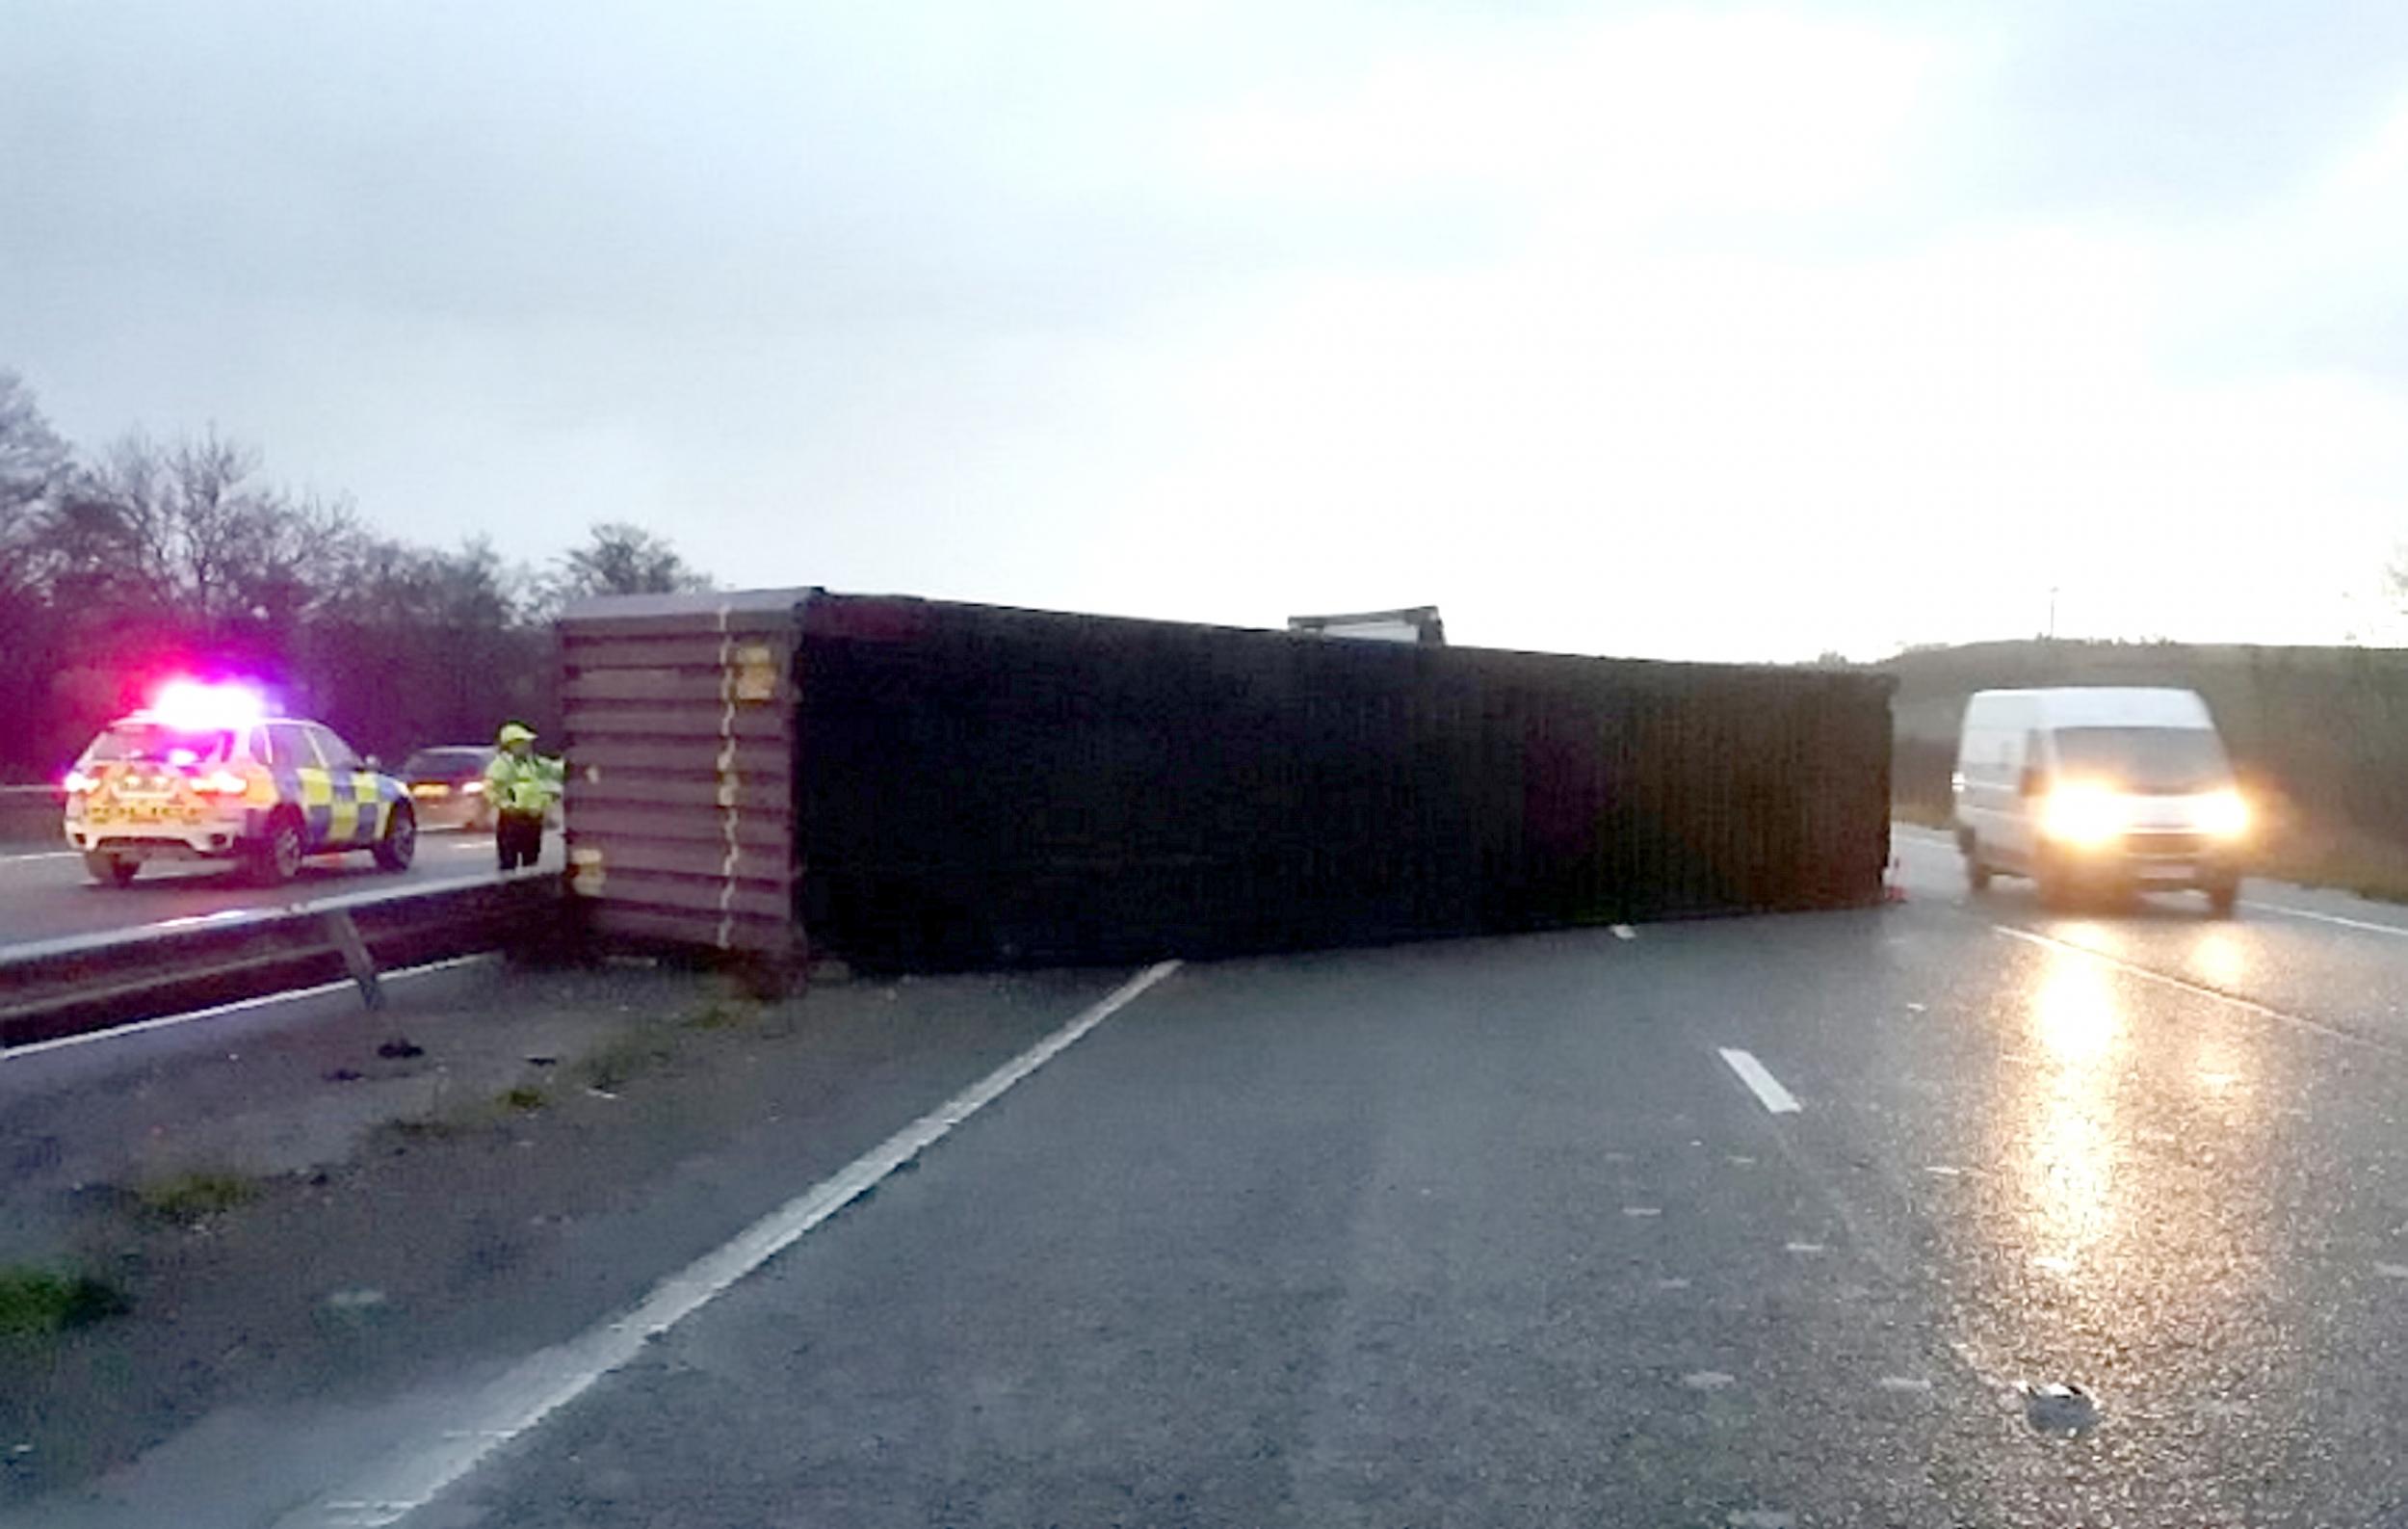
[(982, 785)]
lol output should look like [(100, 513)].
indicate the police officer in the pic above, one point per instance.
[(522, 787)]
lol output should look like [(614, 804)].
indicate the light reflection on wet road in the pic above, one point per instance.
[(2064, 1141), (1496, 1232), (2173, 1164), (2028, 1176)]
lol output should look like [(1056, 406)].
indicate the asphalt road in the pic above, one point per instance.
[(45, 893), (1494, 1233), (1751, 1222)]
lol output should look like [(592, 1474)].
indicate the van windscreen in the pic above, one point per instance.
[(2168, 760)]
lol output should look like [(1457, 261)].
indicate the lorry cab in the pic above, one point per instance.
[(2104, 789)]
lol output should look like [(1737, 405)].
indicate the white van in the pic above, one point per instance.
[(2124, 789)]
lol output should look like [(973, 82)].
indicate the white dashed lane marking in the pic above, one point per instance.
[(1760, 1081), (2365, 925)]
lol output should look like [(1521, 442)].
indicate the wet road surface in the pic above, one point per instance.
[(1952, 1213), (45, 893)]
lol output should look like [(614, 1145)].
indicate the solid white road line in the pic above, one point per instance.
[(240, 1006), (543, 1382), (39, 854), (1760, 1081), (2184, 985), (2368, 925)]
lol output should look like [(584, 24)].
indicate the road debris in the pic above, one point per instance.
[(2057, 1407)]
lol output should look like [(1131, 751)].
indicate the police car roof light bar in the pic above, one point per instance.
[(189, 703)]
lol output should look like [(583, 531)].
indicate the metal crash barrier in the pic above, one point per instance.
[(31, 815), (84, 983)]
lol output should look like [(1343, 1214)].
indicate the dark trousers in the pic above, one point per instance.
[(518, 839)]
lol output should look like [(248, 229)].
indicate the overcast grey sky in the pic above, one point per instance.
[(1701, 331)]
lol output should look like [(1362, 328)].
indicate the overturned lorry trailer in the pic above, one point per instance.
[(914, 785)]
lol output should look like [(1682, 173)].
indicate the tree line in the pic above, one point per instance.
[(149, 557)]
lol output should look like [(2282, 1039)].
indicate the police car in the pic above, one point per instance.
[(205, 775)]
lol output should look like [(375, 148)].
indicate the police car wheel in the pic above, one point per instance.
[(400, 844), (277, 858), (112, 870)]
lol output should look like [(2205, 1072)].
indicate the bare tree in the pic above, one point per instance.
[(122, 529), (33, 464), (149, 547), (621, 559), (189, 526), (470, 588)]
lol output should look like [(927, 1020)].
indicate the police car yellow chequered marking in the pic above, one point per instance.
[(369, 809), (317, 803)]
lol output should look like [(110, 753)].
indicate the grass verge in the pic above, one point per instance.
[(2379, 877), (611, 1065), (722, 1011), (195, 1195), (35, 1302)]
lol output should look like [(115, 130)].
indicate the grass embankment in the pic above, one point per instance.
[(35, 1302)]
